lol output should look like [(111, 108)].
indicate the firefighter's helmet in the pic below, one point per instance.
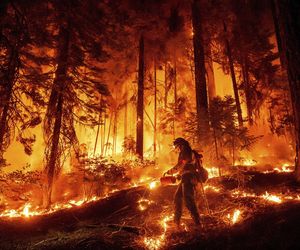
[(180, 142)]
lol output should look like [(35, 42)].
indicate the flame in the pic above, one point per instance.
[(26, 210), (154, 243), (272, 198), (144, 203), (212, 172), (285, 168), (213, 188), (249, 162), (235, 216), (153, 184)]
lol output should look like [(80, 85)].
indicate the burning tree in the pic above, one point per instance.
[(22, 75), (289, 20), (199, 62), (226, 129), (75, 91)]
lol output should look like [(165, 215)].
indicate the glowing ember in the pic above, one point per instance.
[(10, 213), (153, 184), (144, 203), (213, 188), (239, 193), (272, 198), (164, 222), (152, 244), (284, 169), (77, 203), (235, 217)]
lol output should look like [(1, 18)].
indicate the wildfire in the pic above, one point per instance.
[(153, 184), (235, 216), (144, 203), (272, 198), (246, 162), (266, 196), (26, 210), (212, 172), (213, 188), (154, 243), (285, 168)]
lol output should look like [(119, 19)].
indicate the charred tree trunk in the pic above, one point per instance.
[(217, 150), (115, 134), (233, 79), (155, 114), (126, 114), (103, 134), (98, 127), (245, 72), (210, 74), (111, 120), (277, 32), (166, 86), (140, 102), (56, 104), (175, 99), (290, 19), (200, 81), (9, 84), (52, 162)]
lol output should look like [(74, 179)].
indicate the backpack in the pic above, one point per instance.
[(201, 172)]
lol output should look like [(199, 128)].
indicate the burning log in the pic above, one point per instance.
[(67, 219)]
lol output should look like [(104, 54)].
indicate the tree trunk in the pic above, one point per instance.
[(115, 134), (98, 127), (175, 99), (233, 150), (52, 162), (166, 86), (57, 96), (290, 19), (111, 119), (277, 32), (233, 79), (245, 72), (217, 151), (103, 134), (155, 114), (210, 74), (200, 81), (126, 114), (140, 102), (10, 81)]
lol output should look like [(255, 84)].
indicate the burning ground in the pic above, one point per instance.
[(248, 210)]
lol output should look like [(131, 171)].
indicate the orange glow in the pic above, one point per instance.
[(272, 198), (235, 217), (144, 203), (153, 184)]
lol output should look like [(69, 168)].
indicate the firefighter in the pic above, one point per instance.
[(188, 180)]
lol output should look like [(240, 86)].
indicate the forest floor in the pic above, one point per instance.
[(140, 218)]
